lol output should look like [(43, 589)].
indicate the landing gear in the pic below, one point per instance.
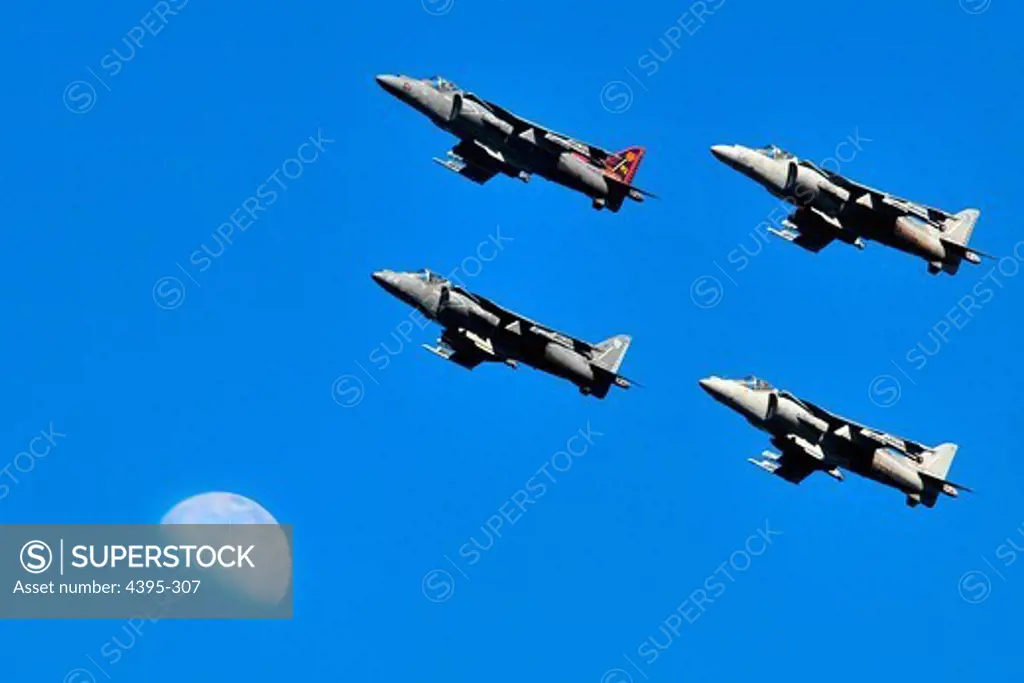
[(586, 391), (934, 267), (599, 204)]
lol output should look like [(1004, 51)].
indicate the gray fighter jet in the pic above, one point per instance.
[(811, 439), (480, 331), (831, 207), (493, 140)]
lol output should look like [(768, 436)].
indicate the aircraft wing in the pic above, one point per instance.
[(521, 125), (466, 359), (813, 242), (793, 465), (464, 348), (862, 435), (473, 161), (806, 237), (879, 199), (514, 323), (912, 449), (813, 230), (477, 174)]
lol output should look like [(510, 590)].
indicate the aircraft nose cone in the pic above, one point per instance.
[(733, 156), (389, 281), (711, 385), (722, 152), (393, 84)]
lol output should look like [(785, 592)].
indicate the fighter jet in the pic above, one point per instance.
[(811, 439), (831, 207), (493, 140), (477, 330)]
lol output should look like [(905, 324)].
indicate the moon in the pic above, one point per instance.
[(218, 508), (268, 583)]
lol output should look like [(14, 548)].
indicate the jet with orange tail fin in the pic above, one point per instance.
[(493, 140)]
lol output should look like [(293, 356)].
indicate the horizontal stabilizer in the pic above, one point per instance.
[(632, 191), (971, 254), (625, 383), (948, 487)]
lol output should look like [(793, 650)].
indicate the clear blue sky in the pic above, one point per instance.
[(232, 389)]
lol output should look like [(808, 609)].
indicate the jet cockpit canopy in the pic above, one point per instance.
[(429, 277), (755, 383), (441, 84), (774, 152)]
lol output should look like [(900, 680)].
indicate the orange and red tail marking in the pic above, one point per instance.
[(624, 164)]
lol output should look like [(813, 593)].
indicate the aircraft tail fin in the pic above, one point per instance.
[(959, 228), (624, 165), (611, 352), (937, 466), (940, 460), (958, 233), (606, 361)]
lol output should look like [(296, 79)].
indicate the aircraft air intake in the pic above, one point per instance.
[(773, 407), (456, 107)]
